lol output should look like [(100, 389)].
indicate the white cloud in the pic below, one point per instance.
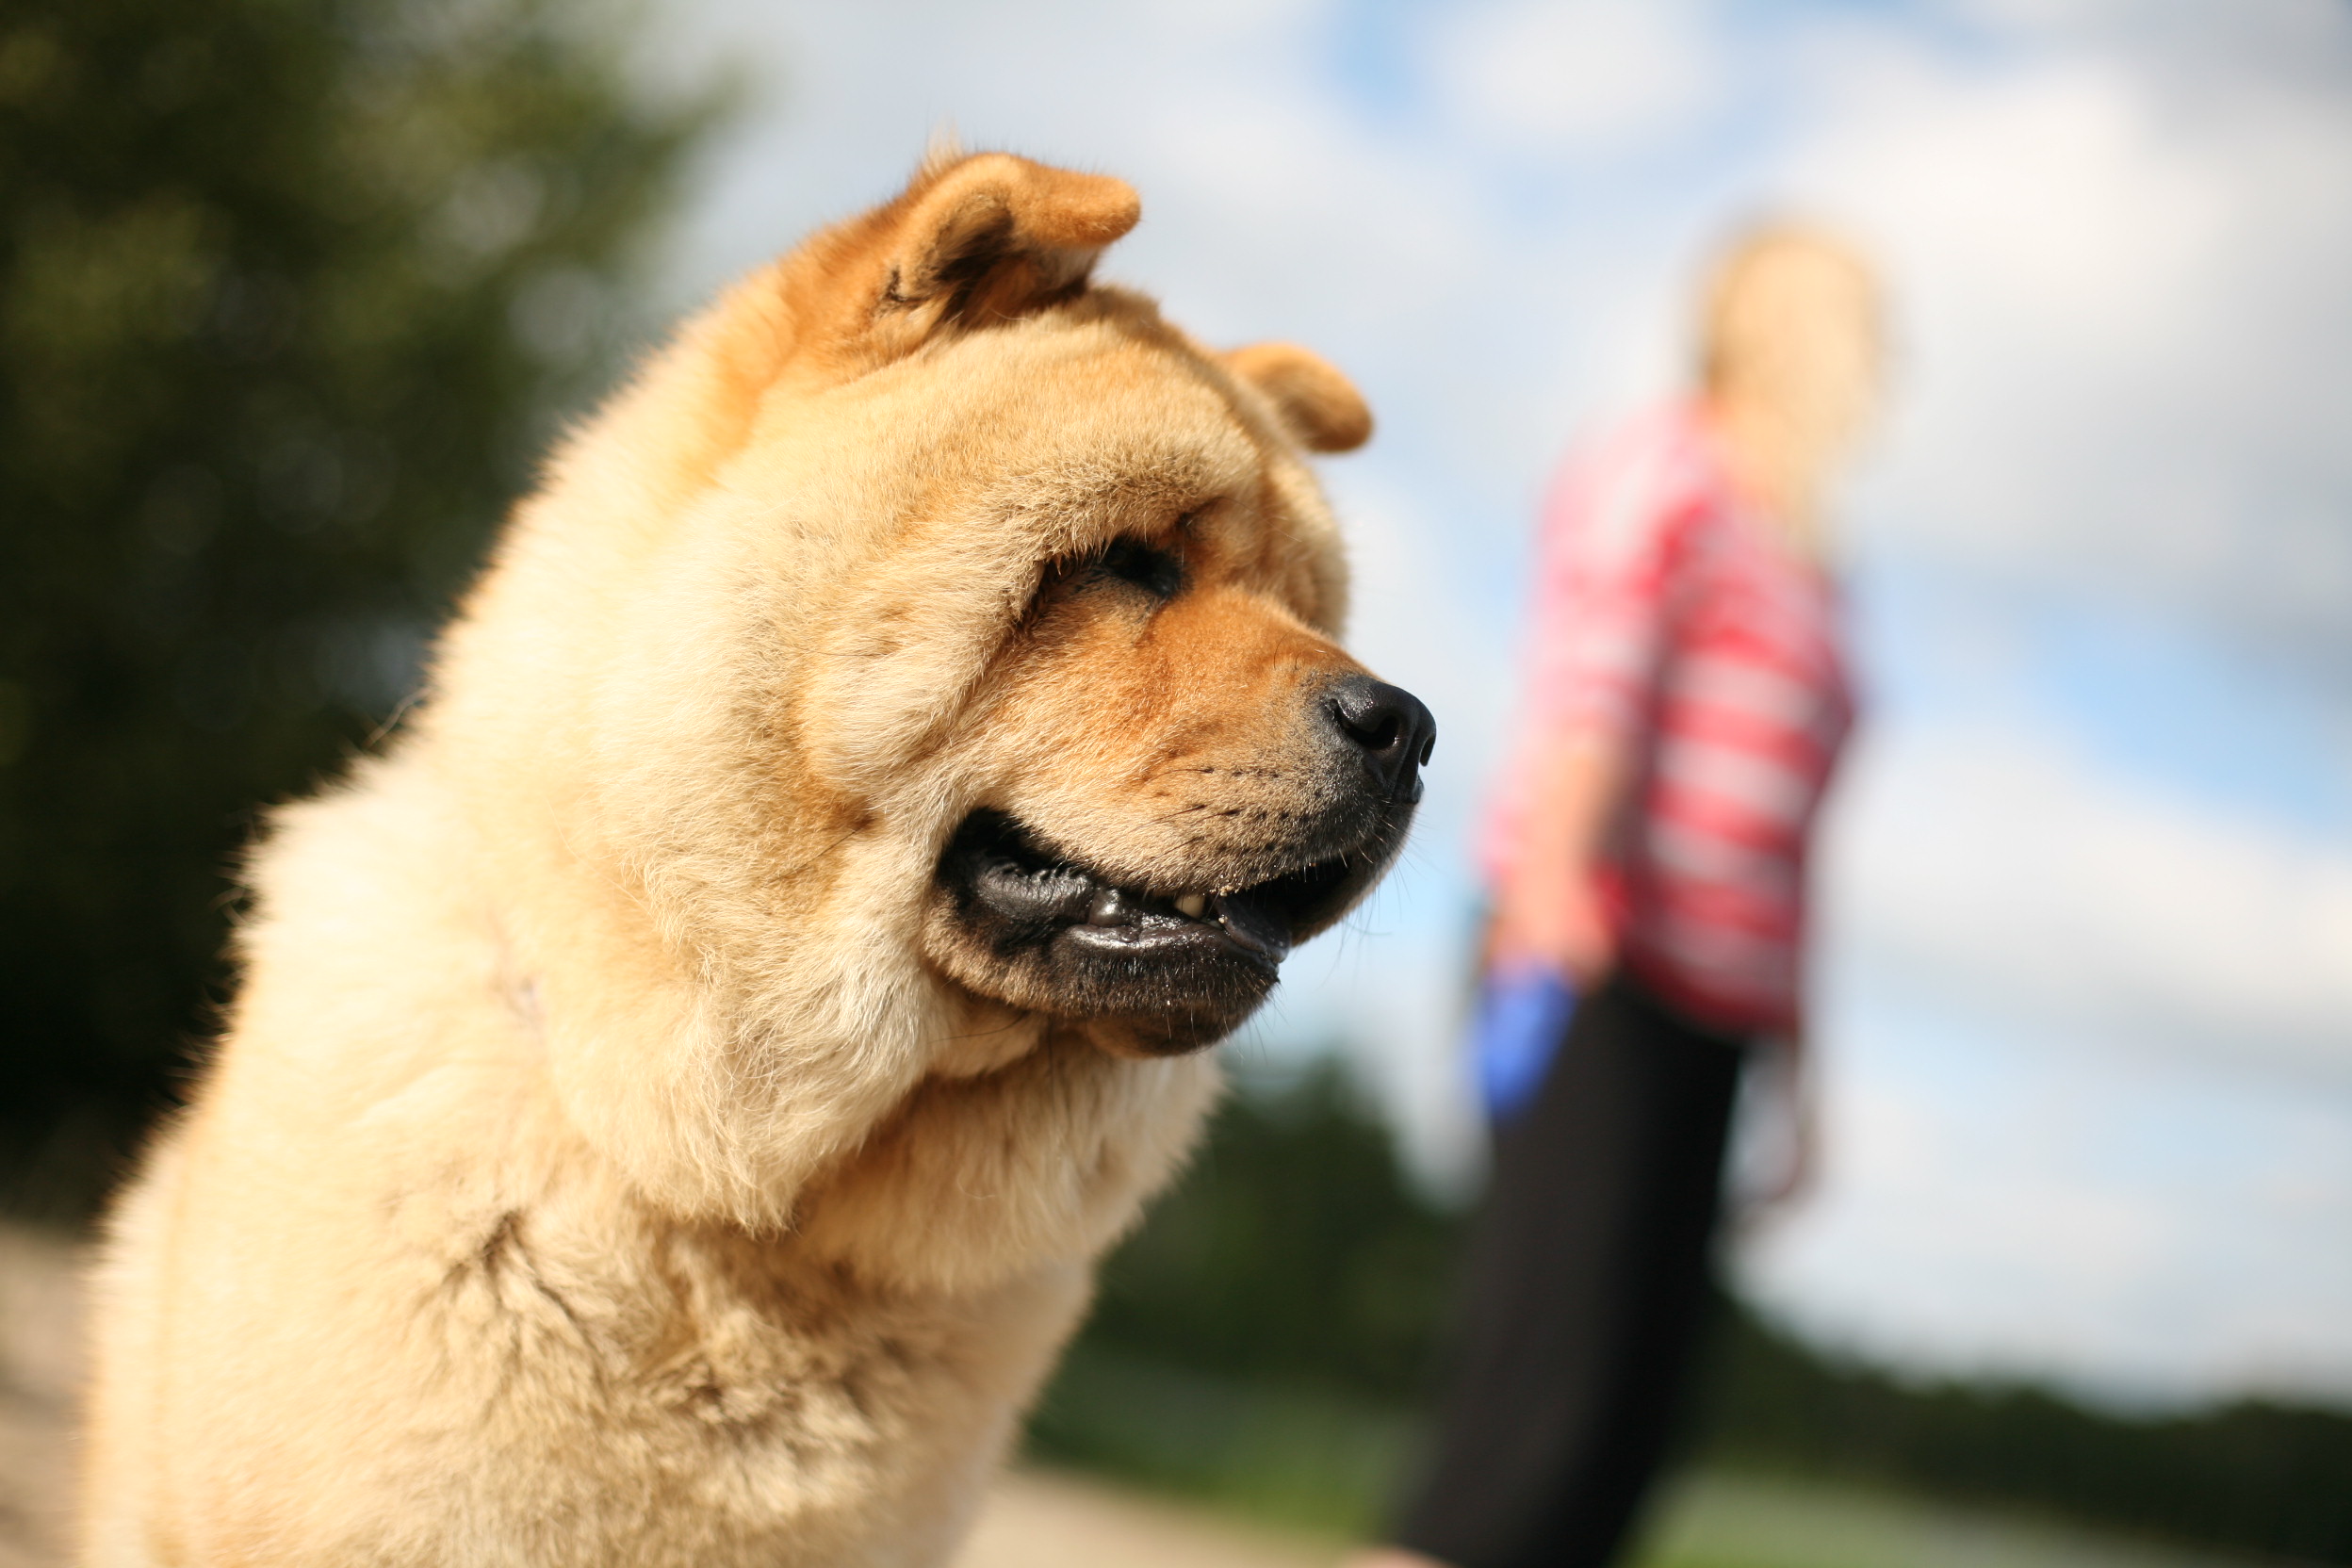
[(1581, 79), (2087, 1067), (2117, 261), (1997, 1201), (2001, 863)]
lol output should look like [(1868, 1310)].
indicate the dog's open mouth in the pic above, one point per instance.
[(1067, 939), (1031, 888)]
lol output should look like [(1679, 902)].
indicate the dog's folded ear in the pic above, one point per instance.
[(972, 240), (1320, 407)]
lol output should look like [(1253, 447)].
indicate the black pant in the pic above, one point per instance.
[(1586, 1286)]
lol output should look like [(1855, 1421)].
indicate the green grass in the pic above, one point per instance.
[(1717, 1520), (1324, 1462), (1299, 1456)]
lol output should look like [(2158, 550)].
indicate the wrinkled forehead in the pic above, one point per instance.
[(1116, 438), (1092, 410), (1075, 434), (1091, 432), (1051, 435)]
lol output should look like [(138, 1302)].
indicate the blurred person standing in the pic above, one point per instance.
[(1685, 700)]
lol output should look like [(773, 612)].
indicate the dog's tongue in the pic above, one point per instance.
[(1064, 894), (1252, 923), (1055, 893)]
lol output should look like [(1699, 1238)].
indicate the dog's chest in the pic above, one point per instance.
[(723, 1393)]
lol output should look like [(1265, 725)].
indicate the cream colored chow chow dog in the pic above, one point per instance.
[(677, 1095)]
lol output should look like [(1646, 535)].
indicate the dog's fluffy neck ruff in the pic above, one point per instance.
[(878, 1153), (852, 1120), (788, 1038), (830, 1092)]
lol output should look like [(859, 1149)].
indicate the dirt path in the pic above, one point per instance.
[(1038, 1520), (1032, 1520), (40, 1368)]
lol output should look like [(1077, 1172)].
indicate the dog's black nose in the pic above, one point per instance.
[(1389, 725)]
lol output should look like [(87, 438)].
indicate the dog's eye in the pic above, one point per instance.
[(1156, 571)]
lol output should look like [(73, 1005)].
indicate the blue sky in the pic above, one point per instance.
[(2086, 982)]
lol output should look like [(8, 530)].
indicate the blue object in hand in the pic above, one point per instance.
[(1522, 1014)]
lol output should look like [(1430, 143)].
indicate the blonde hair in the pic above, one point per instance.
[(1790, 351)]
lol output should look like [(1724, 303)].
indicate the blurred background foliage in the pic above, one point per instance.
[(1269, 1336), (289, 292)]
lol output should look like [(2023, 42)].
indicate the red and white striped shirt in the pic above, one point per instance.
[(1668, 612)]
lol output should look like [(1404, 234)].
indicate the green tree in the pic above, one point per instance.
[(2254, 1474), (287, 291), (1265, 1338), (1295, 1250)]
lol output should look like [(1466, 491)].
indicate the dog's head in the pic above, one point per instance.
[(1165, 773), (946, 637)]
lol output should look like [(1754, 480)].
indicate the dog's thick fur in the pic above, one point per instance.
[(620, 1151)]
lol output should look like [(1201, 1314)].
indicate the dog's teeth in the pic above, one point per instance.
[(1190, 905)]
